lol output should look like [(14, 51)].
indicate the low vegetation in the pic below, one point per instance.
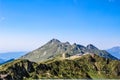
[(85, 67)]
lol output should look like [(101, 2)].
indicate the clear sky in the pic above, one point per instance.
[(27, 24)]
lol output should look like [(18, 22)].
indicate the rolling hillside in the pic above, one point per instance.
[(89, 66)]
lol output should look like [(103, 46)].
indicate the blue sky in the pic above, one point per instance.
[(27, 24)]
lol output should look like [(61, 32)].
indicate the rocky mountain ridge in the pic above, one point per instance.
[(55, 48)]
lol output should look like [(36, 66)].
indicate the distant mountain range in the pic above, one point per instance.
[(115, 51), (2, 60), (11, 55), (55, 48), (62, 60)]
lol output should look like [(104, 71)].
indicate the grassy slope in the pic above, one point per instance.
[(85, 67)]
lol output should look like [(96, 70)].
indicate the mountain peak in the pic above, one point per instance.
[(115, 51), (54, 40), (55, 48), (74, 44), (67, 43), (117, 47), (90, 46)]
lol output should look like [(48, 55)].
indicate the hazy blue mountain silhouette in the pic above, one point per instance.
[(115, 51), (7, 61), (2, 60), (11, 55)]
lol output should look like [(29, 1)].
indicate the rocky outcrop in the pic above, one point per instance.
[(89, 66), (17, 70), (56, 48)]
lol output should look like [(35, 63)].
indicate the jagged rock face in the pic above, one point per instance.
[(56, 48), (86, 67), (18, 68), (53, 48), (90, 46)]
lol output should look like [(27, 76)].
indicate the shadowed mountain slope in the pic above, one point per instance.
[(56, 48), (89, 66)]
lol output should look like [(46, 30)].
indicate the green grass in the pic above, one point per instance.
[(85, 67)]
